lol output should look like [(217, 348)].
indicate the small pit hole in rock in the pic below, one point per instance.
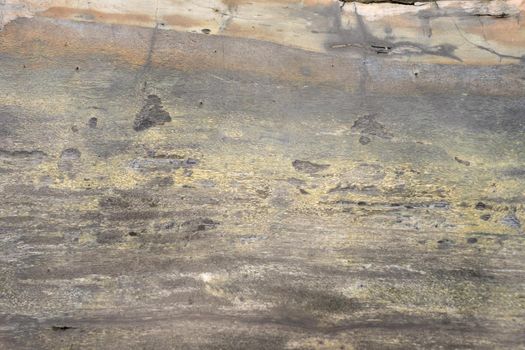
[(485, 217), (92, 123)]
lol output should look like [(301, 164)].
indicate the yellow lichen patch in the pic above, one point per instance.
[(112, 173), (86, 238), (213, 282)]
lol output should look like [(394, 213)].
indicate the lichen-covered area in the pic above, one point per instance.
[(169, 190)]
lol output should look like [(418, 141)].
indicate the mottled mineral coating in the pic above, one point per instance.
[(325, 186)]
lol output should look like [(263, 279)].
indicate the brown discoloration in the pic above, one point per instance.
[(183, 21), (508, 32), (96, 16), (236, 3), (134, 48), (480, 32)]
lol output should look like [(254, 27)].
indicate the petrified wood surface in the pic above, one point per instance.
[(166, 189)]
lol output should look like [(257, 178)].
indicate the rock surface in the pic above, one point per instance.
[(265, 188), (443, 31)]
